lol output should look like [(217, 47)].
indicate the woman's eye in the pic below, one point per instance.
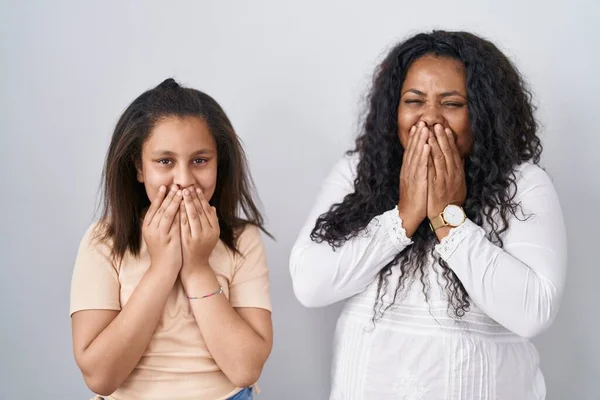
[(164, 161), (199, 161), (413, 101), (454, 105)]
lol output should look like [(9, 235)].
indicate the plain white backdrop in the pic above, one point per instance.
[(291, 76)]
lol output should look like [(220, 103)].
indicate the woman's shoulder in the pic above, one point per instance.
[(529, 175), (344, 170), (349, 161), (529, 170)]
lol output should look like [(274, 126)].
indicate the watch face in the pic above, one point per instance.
[(454, 215)]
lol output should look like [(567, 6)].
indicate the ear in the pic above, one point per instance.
[(140, 172)]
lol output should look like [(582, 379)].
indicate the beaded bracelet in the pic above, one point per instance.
[(219, 291)]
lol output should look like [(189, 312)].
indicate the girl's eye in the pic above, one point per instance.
[(413, 101), (199, 161), (164, 161)]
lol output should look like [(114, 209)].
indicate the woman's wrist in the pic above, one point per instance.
[(409, 223), (442, 232)]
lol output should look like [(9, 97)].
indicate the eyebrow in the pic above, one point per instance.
[(445, 94), (201, 152)]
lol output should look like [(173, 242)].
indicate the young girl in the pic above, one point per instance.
[(441, 230), (170, 290)]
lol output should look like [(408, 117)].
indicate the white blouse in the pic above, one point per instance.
[(418, 350)]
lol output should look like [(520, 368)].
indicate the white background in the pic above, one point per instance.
[(291, 76)]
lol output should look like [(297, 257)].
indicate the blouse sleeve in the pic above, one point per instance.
[(521, 284), (322, 275)]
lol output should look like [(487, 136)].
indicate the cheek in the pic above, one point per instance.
[(207, 180), (465, 143), (406, 120), (154, 179), (461, 126)]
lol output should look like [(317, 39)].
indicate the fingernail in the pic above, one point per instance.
[(162, 188), (186, 192), (174, 188), (179, 193)]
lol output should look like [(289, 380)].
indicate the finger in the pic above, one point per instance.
[(196, 200), (163, 207), (185, 222), (431, 173), (213, 217), (418, 152), (431, 178), (442, 139), (407, 153), (437, 156), (413, 144), (204, 216), (430, 167), (155, 205), (423, 163), (170, 213), (192, 213), (458, 161), (176, 226)]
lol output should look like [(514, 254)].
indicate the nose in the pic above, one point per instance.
[(432, 115), (183, 176)]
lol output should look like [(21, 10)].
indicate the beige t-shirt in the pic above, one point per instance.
[(177, 364)]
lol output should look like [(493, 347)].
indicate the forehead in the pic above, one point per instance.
[(438, 71), (180, 135)]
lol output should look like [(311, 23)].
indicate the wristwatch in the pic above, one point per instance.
[(452, 216)]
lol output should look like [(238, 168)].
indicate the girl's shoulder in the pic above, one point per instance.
[(95, 240), (247, 236)]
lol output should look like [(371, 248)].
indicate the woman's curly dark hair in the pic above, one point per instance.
[(505, 135)]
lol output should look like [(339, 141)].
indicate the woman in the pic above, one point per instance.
[(441, 231), (170, 290)]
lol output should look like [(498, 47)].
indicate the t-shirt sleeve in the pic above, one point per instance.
[(95, 281), (249, 285)]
